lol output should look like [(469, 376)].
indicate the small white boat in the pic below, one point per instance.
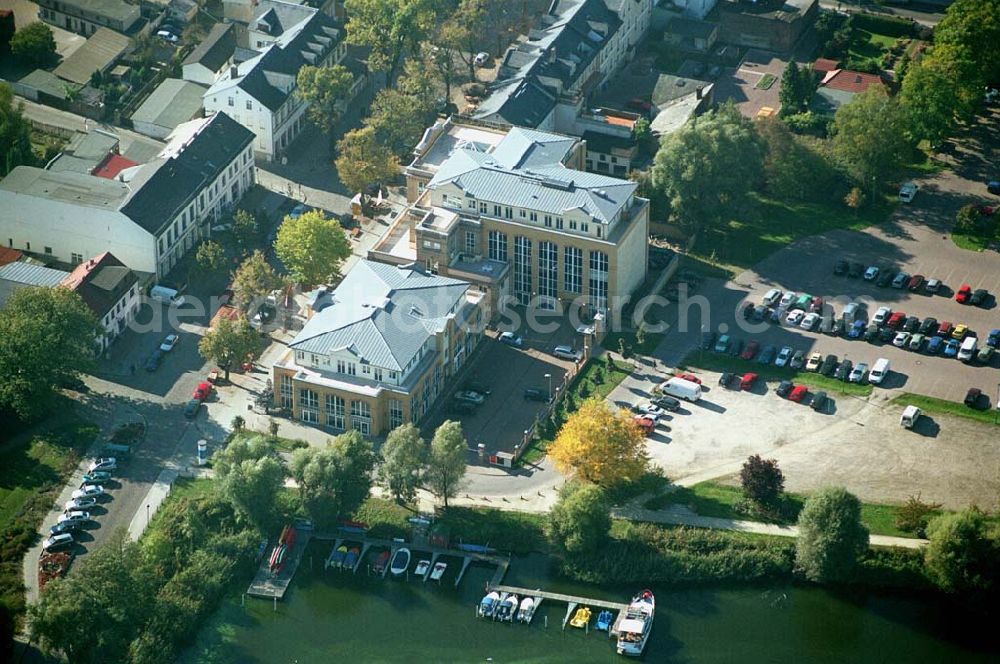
[(525, 610), (634, 630), (489, 604), (422, 567), (400, 561), (438, 571), (507, 608)]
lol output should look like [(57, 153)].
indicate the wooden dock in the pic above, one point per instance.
[(572, 602), (274, 586)]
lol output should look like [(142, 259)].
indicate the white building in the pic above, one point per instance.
[(212, 57), (148, 216), (260, 93), (111, 291)]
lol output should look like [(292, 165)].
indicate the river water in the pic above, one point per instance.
[(329, 616)]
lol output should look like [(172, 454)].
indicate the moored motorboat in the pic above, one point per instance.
[(351, 559), (636, 626), (507, 608), (582, 618), (380, 561), (400, 561), (489, 604), (438, 571), (604, 620), (525, 610), (422, 567)]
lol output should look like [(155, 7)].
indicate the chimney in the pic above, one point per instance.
[(234, 72), (698, 91)]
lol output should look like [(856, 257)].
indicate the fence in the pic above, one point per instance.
[(554, 401)]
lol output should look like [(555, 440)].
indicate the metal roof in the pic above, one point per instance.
[(383, 314), (32, 275), (98, 53), (173, 101)]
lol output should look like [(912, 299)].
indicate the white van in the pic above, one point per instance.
[(879, 371), (682, 389), (166, 295), (967, 350), (909, 417), (850, 312)]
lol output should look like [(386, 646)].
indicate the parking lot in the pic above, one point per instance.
[(507, 371)]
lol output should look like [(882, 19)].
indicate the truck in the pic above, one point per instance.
[(682, 389), (909, 417)]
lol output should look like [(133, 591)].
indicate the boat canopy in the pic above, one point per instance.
[(631, 625)]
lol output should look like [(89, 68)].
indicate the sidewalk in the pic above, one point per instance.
[(679, 518)]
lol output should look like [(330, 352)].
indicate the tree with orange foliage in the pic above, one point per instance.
[(601, 444)]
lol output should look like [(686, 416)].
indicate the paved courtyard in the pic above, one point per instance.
[(740, 83)]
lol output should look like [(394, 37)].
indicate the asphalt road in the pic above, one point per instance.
[(925, 14)]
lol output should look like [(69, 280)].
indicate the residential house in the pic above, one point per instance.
[(691, 34), (379, 350), (212, 57), (110, 290), (17, 275), (839, 86), (677, 99), (172, 103), (260, 93), (149, 215), (510, 211), (86, 17), (770, 25)]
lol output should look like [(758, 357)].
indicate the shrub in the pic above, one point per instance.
[(962, 554), (884, 25), (914, 515), (762, 481), (809, 123), (831, 536), (580, 519)]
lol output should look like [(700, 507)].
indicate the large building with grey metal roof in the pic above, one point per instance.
[(379, 349), (511, 211)]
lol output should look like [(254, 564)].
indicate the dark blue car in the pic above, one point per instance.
[(857, 329), (153, 363), (934, 345), (993, 341)]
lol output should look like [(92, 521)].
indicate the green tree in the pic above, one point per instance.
[(796, 167), (15, 134), (399, 120), (312, 247), (116, 592), (790, 94), (390, 28), (580, 520), (707, 168), (47, 338), (403, 456), (34, 45), (831, 536), (870, 137), (246, 231), (914, 515), (251, 479), (463, 32), (963, 553), (211, 256), (326, 90), (363, 159), (335, 480), (762, 481), (974, 26), (446, 466), (254, 279), (929, 98), (229, 342)]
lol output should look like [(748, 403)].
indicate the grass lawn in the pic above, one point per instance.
[(648, 345), (772, 225), (766, 81), (584, 383), (972, 242), (931, 405), (868, 45), (716, 362), (719, 500)]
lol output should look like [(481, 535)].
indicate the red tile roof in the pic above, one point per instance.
[(850, 81), (825, 64), (9, 255), (112, 166)]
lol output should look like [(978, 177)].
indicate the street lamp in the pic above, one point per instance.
[(147, 515), (996, 411), (548, 377)]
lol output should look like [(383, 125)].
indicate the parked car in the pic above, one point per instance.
[(843, 372), (567, 353), (707, 340), (481, 59), (985, 354), (79, 504), (934, 345), (836, 327), (76, 518), (536, 394), (88, 491), (722, 344), (840, 268), (96, 477), (784, 387), (153, 361), (973, 397), (795, 317), (66, 527), (725, 378), (748, 310), (928, 326), (167, 36), (907, 192), (784, 355), (787, 299), (690, 377), (960, 331), (191, 409), (945, 329), (58, 542), (871, 274), (469, 396), (511, 339), (771, 297), (829, 365), (886, 334), (750, 350), (916, 283), (881, 315), (951, 347), (767, 354), (886, 278), (646, 423), (815, 360), (858, 373), (857, 329), (809, 321), (747, 381), (816, 304), (871, 333), (203, 391), (169, 342), (798, 360), (896, 320), (916, 342), (649, 409), (980, 297), (993, 340), (911, 324), (963, 294), (932, 286), (105, 463), (901, 339), (993, 186), (819, 401), (900, 280), (798, 393), (803, 301), (666, 402), (855, 270)]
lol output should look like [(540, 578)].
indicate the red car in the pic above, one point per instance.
[(202, 391), (798, 393), (746, 383), (690, 377), (816, 304), (750, 350), (895, 320), (645, 423), (964, 294), (945, 329)]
